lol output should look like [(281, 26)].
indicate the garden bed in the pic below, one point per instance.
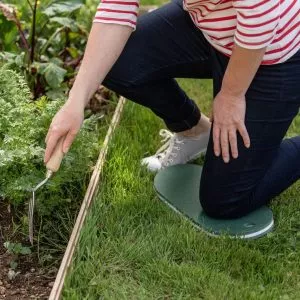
[(28, 271), (41, 46), (33, 281), (29, 279)]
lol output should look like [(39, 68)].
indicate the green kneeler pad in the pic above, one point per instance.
[(178, 186)]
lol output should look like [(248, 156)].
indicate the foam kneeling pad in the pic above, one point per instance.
[(178, 187)]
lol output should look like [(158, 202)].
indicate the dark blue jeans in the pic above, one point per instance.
[(167, 45)]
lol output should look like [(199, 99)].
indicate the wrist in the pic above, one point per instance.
[(75, 102), (232, 90), (231, 96), (78, 98)]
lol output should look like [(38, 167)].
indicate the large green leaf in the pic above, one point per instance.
[(65, 21), (12, 58), (54, 74), (62, 7)]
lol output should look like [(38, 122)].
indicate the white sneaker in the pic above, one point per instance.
[(176, 150)]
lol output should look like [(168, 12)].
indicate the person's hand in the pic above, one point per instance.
[(229, 118), (65, 124)]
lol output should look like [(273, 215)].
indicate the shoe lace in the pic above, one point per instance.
[(166, 152)]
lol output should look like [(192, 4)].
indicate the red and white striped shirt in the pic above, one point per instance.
[(251, 24)]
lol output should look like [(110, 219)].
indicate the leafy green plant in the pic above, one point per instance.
[(17, 248), (45, 40), (23, 126)]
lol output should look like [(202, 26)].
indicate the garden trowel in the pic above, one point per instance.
[(52, 166)]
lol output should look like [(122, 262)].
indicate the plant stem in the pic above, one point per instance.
[(21, 32), (33, 30), (30, 5), (50, 40), (32, 46)]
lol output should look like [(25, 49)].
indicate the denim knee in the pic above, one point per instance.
[(221, 206), (209, 206), (119, 82)]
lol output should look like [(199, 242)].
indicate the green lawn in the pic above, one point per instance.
[(133, 247)]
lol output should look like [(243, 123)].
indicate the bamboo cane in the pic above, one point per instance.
[(88, 198)]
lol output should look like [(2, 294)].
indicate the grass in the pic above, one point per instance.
[(133, 247)]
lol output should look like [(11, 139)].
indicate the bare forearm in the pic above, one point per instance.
[(241, 70), (105, 44)]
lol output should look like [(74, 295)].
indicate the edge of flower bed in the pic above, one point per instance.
[(86, 203)]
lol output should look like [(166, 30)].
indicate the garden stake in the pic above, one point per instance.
[(52, 166)]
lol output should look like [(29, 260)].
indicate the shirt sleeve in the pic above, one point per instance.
[(257, 21), (120, 12)]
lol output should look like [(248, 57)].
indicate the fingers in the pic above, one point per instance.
[(216, 139), (233, 143), (244, 134), (69, 140), (225, 145), (225, 141), (52, 140)]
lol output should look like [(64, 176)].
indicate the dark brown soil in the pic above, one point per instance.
[(31, 281)]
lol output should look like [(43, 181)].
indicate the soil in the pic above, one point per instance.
[(31, 281)]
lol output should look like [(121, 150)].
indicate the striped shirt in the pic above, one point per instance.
[(251, 24)]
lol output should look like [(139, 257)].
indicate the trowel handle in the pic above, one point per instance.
[(54, 162)]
